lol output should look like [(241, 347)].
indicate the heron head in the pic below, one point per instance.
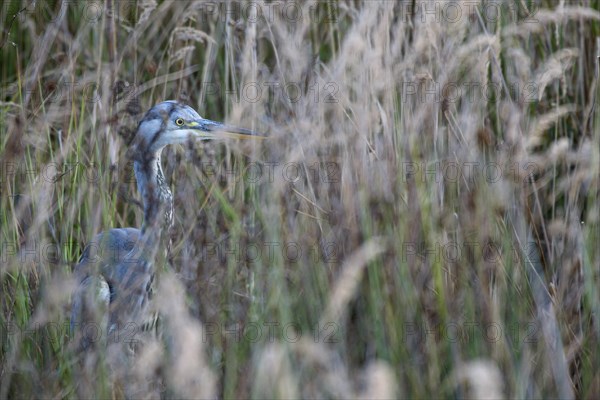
[(171, 122)]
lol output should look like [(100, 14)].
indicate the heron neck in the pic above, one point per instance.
[(156, 196)]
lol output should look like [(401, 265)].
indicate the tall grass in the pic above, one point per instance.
[(423, 220)]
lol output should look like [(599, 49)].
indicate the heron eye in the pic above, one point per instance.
[(179, 121)]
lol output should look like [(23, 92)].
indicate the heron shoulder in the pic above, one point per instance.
[(106, 248)]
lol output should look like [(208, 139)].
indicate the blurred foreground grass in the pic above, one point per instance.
[(423, 221)]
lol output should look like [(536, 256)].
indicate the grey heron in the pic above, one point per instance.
[(115, 272)]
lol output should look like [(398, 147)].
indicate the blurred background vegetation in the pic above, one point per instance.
[(423, 220)]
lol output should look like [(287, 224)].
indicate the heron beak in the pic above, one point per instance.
[(207, 129)]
